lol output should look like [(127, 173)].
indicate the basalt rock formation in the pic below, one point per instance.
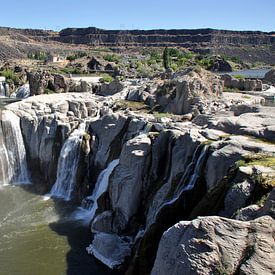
[(148, 180), (249, 46)]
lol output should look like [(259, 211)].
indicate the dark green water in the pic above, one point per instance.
[(37, 237)]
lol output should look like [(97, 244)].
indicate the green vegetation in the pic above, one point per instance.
[(48, 91), (112, 58), (68, 70), (155, 58), (132, 105), (106, 78), (38, 55), (205, 61), (159, 115), (11, 76), (239, 76), (166, 58), (76, 56), (176, 59), (258, 159)]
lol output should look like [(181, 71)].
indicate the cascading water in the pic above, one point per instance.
[(13, 150), (4, 161), (189, 178), (87, 212), (68, 165)]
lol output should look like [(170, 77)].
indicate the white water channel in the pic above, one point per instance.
[(68, 165), (86, 213)]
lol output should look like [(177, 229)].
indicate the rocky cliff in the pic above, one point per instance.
[(247, 45), (148, 179)]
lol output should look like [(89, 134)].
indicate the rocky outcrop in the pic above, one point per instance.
[(188, 92), (247, 45), (220, 65), (46, 120), (242, 84), (43, 82), (149, 174), (107, 89), (270, 77), (38, 82), (214, 245)]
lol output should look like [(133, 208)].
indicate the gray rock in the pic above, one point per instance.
[(126, 183), (248, 213), (110, 89), (107, 129), (210, 245), (103, 222), (270, 77), (220, 65), (242, 84), (236, 197), (109, 249)]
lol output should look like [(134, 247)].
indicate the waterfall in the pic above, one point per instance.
[(4, 161), (13, 150), (23, 91), (87, 212), (189, 178), (68, 165)]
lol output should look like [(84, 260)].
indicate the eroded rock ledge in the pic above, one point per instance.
[(169, 170)]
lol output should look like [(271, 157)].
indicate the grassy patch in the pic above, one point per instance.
[(159, 115), (132, 105), (106, 78), (10, 75), (258, 159), (239, 76)]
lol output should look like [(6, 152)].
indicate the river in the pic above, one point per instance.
[(37, 236)]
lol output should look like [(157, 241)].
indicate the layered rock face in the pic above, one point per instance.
[(46, 121), (203, 40), (160, 175), (250, 46)]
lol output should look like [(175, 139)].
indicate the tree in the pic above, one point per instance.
[(166, 58)]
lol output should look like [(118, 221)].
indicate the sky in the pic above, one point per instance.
[(139, 14)]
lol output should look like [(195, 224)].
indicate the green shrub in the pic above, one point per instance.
[(111, 58), (38, 55), (166, 58), (11, 76), (106, 78), (76, 55), (239, 76)]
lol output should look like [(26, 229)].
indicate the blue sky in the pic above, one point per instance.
[(139, 14)]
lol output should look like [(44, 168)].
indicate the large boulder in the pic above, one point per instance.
[(95, 65), (108, 89), (38, 82), (215, 245), (232, 82), (270, 77), (220, 65), (184, 93), (110, 249)]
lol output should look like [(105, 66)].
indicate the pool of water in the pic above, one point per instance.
[(253, 73), (39, 237)]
